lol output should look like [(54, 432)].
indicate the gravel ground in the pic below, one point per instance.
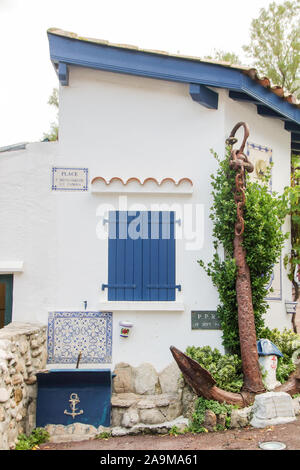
[(242, 439)]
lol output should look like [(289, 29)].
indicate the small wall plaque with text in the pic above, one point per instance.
[(69, 179), (205, 320)]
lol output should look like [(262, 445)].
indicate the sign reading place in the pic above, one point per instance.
[(205, 320), (69, 179)]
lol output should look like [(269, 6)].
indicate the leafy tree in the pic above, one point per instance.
[(275, 44), (223, 56), (52, 135)]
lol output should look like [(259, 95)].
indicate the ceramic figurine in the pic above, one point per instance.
[(268, 358)]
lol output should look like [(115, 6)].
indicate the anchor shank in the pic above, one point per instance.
[(249, 355)]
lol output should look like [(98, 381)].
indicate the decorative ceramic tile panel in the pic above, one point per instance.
[(261, 157), (69, 179), (72, 332)]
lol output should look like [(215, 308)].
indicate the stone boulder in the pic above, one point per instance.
[(169, 379), (146, 380), (272, 408), (123, 381)]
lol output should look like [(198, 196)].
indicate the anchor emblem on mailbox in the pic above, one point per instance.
[(74, 400)]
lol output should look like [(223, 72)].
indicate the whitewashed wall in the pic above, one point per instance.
[(116, 125)]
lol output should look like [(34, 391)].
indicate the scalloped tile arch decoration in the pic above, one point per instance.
[(166, 185)]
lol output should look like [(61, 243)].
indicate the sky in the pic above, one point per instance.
[(27, 77)]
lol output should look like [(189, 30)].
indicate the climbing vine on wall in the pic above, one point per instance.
[(264, 215), (293, 194)]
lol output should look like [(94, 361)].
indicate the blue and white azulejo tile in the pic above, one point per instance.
[(72, 332)]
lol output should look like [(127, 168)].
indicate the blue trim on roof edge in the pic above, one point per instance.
[(63, 74), (203, 95), (72, 51)]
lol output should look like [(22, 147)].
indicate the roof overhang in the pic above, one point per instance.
[(66, 50)]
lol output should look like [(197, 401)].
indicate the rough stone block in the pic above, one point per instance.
[(5, 344), (123, 382), (188, 401), (117, 416), (2, 415), (173, 411), (4, 395), (296, 404), (240, 418), (130, 418), (145, 379), (272, 408), (31, 380), (17, 379), (152, 416), (153, 401), (124, 400), (210, 420), (118, 431), (169, 378)]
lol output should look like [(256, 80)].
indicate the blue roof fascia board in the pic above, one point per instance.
[(63, 73), (268, 98), (145, 64), (203, 95), (72, 51)]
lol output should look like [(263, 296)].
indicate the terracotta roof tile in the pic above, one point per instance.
[(133, 178)]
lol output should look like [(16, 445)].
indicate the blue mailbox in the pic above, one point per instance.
[(67, 396)]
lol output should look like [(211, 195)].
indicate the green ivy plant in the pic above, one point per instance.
[(104, 435), (175, 431), (264, 214), (225, 369), (292, 193), (198, 417)]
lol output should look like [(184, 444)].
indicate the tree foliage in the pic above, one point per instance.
[(223, 56), (52, 135), (275, 44)]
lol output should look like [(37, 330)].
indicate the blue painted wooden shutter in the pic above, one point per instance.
[(141, 256)]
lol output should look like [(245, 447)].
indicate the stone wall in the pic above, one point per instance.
[(22, 353), (144, 401), (141, 396)]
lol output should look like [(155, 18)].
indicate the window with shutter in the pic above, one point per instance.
[(141, 256)]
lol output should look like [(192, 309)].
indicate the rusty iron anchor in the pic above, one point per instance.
[(198, 377)]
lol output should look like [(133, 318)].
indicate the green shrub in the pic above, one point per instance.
[(225, 369), (104, 435), (198, 417), (38, 436), (175, 431), (264, 214)]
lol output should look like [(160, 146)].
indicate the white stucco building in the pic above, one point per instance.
[(135, 132)]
